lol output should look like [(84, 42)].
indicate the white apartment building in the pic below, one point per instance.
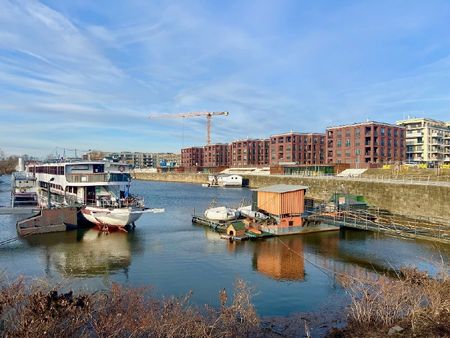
[(427, 140)]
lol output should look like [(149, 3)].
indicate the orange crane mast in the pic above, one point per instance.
[(208, 115)]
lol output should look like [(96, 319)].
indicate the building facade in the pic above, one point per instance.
[(297, 148), (427, 141), (192, 157), (364, 144), (143, 160), (216, 155), (249, 153)]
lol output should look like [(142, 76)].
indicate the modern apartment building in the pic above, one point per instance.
[(216, 155), (250, 153), (427, 140), (143, 160), (162, 159), (192, 157), (297, 148), (364, 144)]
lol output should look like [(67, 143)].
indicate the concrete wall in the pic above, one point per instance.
[(172, 177), (405, 199)]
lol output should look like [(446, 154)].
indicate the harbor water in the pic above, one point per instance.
[(171, 255)]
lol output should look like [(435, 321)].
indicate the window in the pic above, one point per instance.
[(339, 143), (347, 143)]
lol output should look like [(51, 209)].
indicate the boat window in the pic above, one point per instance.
[(99, 168)]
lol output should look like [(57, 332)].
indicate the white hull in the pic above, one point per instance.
[(248, 212), (119, 217), (225, 180), (221, 214), (231, 184)]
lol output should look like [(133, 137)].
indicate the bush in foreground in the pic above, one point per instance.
[(410, 304), (33, 311)]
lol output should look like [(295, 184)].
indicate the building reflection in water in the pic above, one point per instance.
[(85, 252), (280, 260), (283, 258)]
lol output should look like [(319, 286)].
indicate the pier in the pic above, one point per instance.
[(18, 211), (380, 221)]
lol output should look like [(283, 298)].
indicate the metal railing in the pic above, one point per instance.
[(97, 178), (87, 178)]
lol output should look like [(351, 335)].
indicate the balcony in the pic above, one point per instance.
[(414, 134)]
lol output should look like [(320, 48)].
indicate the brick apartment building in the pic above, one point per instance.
[(297, 148), (364, 144), (192, 157), (216, 155), (249, 153)]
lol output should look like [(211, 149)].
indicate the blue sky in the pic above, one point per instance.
[(86, 74)]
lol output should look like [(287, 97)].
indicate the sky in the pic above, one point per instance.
[(87, 74)]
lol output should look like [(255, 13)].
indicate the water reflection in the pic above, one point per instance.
[(280, 260), (284, 258), (86, 252)]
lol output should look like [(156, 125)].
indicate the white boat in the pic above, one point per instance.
[(23, 190), (224, 180), (100, 189), (221, 214), (248, 212)]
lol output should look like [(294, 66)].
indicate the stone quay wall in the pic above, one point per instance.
[(403, 198)]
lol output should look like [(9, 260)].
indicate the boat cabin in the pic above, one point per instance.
[(87, 182), (285, 203), (236, 229)]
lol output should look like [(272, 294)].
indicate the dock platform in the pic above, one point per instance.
[(217, 226), (48, 220), (18, 210)]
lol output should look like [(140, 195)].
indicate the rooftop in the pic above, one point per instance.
[(238, 225), (282, 188), (365, 124), (297, 133)]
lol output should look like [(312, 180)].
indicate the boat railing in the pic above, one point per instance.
[(23, 175), (131, 201), (87, 178), (97, 177)]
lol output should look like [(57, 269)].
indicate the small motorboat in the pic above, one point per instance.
[(248, 212), (221, 214)]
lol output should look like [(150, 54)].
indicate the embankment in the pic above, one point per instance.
[(172, 177), (401, 198)]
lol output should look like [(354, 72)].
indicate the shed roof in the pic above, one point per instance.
[(238, 225), (282, 188)]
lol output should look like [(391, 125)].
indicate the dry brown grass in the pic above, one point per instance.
[(418, 303), (34, 311), (413, 300)]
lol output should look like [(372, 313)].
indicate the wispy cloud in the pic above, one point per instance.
[(88, 74)]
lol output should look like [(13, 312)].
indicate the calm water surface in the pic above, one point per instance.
[(289, 274)]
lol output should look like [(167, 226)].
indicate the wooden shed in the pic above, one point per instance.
[(236, 229), (285, 202)]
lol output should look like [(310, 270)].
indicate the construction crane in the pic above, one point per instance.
[(208, 115)]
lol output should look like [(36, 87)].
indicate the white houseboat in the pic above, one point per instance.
[(100, 189), (225, 180), (23, 190)]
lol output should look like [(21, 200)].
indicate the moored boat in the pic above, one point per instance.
[(248, 212), (221, 214), (225, 180), (100, 189), (23, 190)]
